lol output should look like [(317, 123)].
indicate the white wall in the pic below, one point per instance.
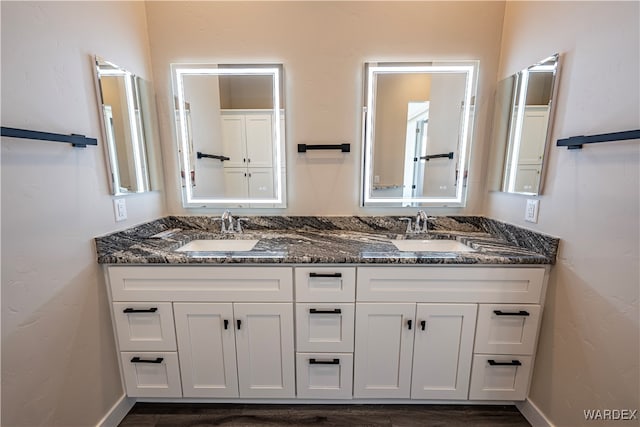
[(59, 367), (323, 46), (588, 352)]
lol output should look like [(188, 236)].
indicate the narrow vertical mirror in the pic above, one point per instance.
[(230, 131), (522, 127), (123, 126), (417, 133)]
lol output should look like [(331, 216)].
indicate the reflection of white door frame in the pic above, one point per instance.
[(111, 142), (415, 146)]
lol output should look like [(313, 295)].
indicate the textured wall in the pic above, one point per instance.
[(59, 367), (588, 351), (323, 46)]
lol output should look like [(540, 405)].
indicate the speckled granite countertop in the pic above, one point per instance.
[(327, 240)]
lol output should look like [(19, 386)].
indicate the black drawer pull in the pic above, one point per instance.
[(511, 313), (324, 362), (140, 310), (138, 360), (512, 363), (409, 323), (423, 324), (316, 311), (325, 274), (226, 323), (239, 323)]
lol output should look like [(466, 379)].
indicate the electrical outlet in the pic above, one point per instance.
[(120, 209), (531, 212)]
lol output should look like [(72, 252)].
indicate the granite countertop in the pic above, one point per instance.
[(327, 240)]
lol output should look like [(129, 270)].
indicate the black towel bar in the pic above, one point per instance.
[(75, 140), (212, 156), (345, 148), (448, 155), (575, 142)]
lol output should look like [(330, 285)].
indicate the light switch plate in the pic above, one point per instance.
[(531, 212), (120, 209)]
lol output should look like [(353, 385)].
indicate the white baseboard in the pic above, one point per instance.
[(533, 414), (117, 412)]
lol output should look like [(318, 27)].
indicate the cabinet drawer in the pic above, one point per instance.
[(499, 377), (450, 284), (324, 375), (324, 327), (507, 328), (151, 374), (144, 326), (325, 284), (195, 283)]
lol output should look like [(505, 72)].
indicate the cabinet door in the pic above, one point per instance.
[(383, 349), (259, 140), (233, 140), (261, 183), (236, 183), (264, 342), (207, 349), (443, 351)]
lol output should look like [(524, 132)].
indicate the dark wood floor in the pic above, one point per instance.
[(205, 414)]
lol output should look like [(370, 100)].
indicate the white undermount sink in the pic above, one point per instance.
[(218, 246), (431, 246)]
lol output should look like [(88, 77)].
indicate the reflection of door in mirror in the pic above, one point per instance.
[(232, 135), (521, 128), (419, 121), (124, 130), (528, 133)]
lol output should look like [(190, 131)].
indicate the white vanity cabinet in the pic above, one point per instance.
[(235, 349), (431, 332), (422, 351), (416, 334), (233, 330), (325, 309)]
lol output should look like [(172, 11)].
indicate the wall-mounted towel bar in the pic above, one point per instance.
[(448, 155), (73, 139), (212, 156), (575, 142), (345, 148)]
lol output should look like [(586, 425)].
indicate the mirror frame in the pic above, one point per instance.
[(468, 67), (139, 146), (507, 166), (178, 71)]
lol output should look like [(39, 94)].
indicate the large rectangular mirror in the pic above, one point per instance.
[(417, 132), (522, 127), (230, 132), (125, 127)]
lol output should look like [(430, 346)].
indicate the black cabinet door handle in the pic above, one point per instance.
[(512, 363), (409, 323), (511, 313), (325, 274), (239, 323), (138, 360), (140, 310), (226, 324), (423, 324), (324, 362), (316, 311)]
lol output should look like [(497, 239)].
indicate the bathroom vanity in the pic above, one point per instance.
[(327, 308)]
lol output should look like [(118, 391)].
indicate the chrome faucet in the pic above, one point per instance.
[(226, 221), (421, 226)]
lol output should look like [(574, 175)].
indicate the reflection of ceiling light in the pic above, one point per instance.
[(542, 68), (112, 72)]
